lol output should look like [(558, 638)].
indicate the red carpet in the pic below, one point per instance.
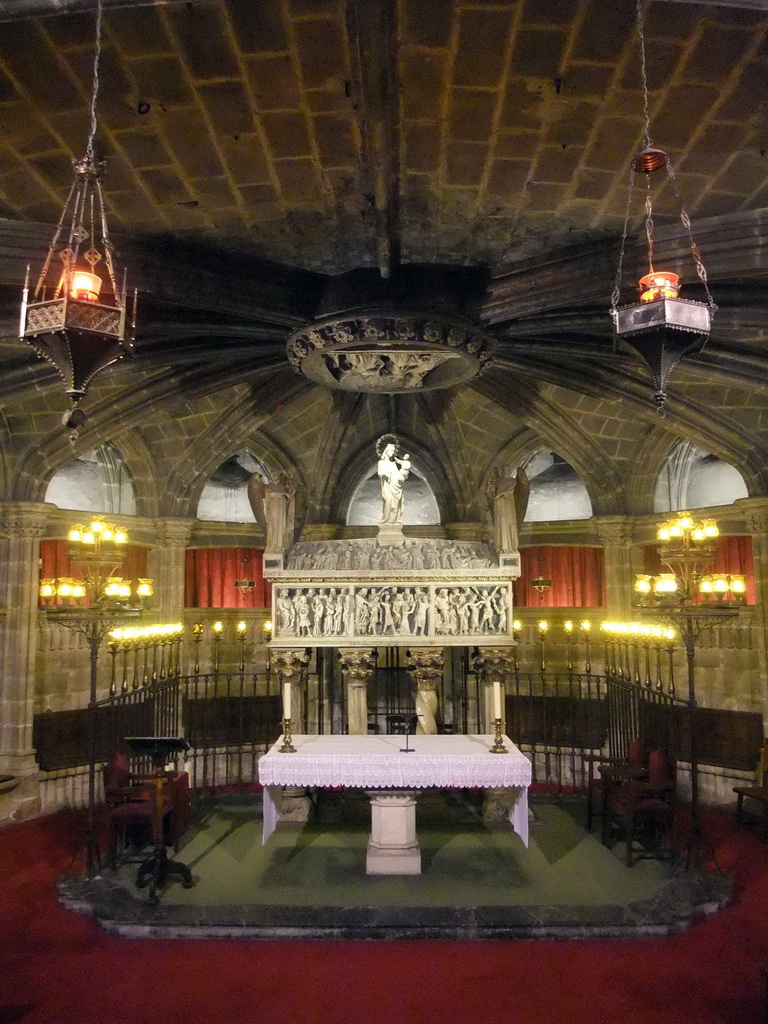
[(56, 966)]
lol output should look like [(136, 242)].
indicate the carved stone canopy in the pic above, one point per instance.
[(416, 330), (392, 354)]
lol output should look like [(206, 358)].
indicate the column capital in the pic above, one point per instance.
[(172, 531), (357, 665), (290, 663), (425, 666), (755, 512), (615, 530), (494, 663), (25, 519)]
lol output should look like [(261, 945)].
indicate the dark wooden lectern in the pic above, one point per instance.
[(155, 869)]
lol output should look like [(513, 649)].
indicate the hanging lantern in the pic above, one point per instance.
[(74, 317), (662, 328)]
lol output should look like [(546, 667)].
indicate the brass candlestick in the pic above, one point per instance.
[(498, 747), (287, 747)]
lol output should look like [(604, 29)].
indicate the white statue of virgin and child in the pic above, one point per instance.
[(393, 472)]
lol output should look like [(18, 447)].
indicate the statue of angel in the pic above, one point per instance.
[(507, 498)]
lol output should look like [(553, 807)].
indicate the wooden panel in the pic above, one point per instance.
[(231, 721), (726, 739)]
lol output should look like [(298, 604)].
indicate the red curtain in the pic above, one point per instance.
[(211, 575), (577, 574), (732, 555), (54, 562)]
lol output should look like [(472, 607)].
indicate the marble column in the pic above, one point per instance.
[(756, 516), (493, 665), (615, 533), (24, 524), (357, 667), (290, 664), (425, 666), (166, 567)]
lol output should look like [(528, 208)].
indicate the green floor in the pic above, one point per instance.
[(464, 862)]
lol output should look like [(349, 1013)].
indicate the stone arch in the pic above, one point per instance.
[(691, 477), (40, 464), (224, 497), (262, 448), (658, 448)]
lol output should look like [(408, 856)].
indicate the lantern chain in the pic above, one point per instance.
[(641, 42)]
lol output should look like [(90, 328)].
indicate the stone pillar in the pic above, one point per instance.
[(425, 666), (615, 533), (24, 524), (166, 567), (357, 667), (756, 515), (290, 665), (493, 664)]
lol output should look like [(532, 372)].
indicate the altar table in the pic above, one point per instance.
[(377, 763)]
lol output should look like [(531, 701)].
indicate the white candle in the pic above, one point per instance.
[(286, 700), (496, 699)]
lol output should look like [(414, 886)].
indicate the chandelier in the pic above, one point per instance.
[(661, 327), (100, 547), (76, 316), (687, 547)]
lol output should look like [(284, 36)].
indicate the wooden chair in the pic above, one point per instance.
[(603, 770), (642, 804), (754, 792), (130, 804)]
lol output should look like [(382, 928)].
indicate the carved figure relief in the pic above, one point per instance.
[(366, 554), (383, 369), (392, 611)]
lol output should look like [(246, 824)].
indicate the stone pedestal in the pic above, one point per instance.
[(357, 667), (295, 805), (390, 533), (393, 848), (425, 666), (496, 806)]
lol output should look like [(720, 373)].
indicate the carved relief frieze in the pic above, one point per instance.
[(396, 613)]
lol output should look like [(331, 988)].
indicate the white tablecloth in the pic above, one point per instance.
[(376, 762)]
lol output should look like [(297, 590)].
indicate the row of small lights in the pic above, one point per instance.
[(217, 628), (159, 632), (636, 629)]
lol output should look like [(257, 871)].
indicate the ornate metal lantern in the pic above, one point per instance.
[(76, 317), (662, 328)]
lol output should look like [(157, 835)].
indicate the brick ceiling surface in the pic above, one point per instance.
[(513, 122), (256, 147)]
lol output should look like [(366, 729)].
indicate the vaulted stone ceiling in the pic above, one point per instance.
[(255, 149)]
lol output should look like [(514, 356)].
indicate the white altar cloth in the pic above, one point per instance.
[(376, 762)]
